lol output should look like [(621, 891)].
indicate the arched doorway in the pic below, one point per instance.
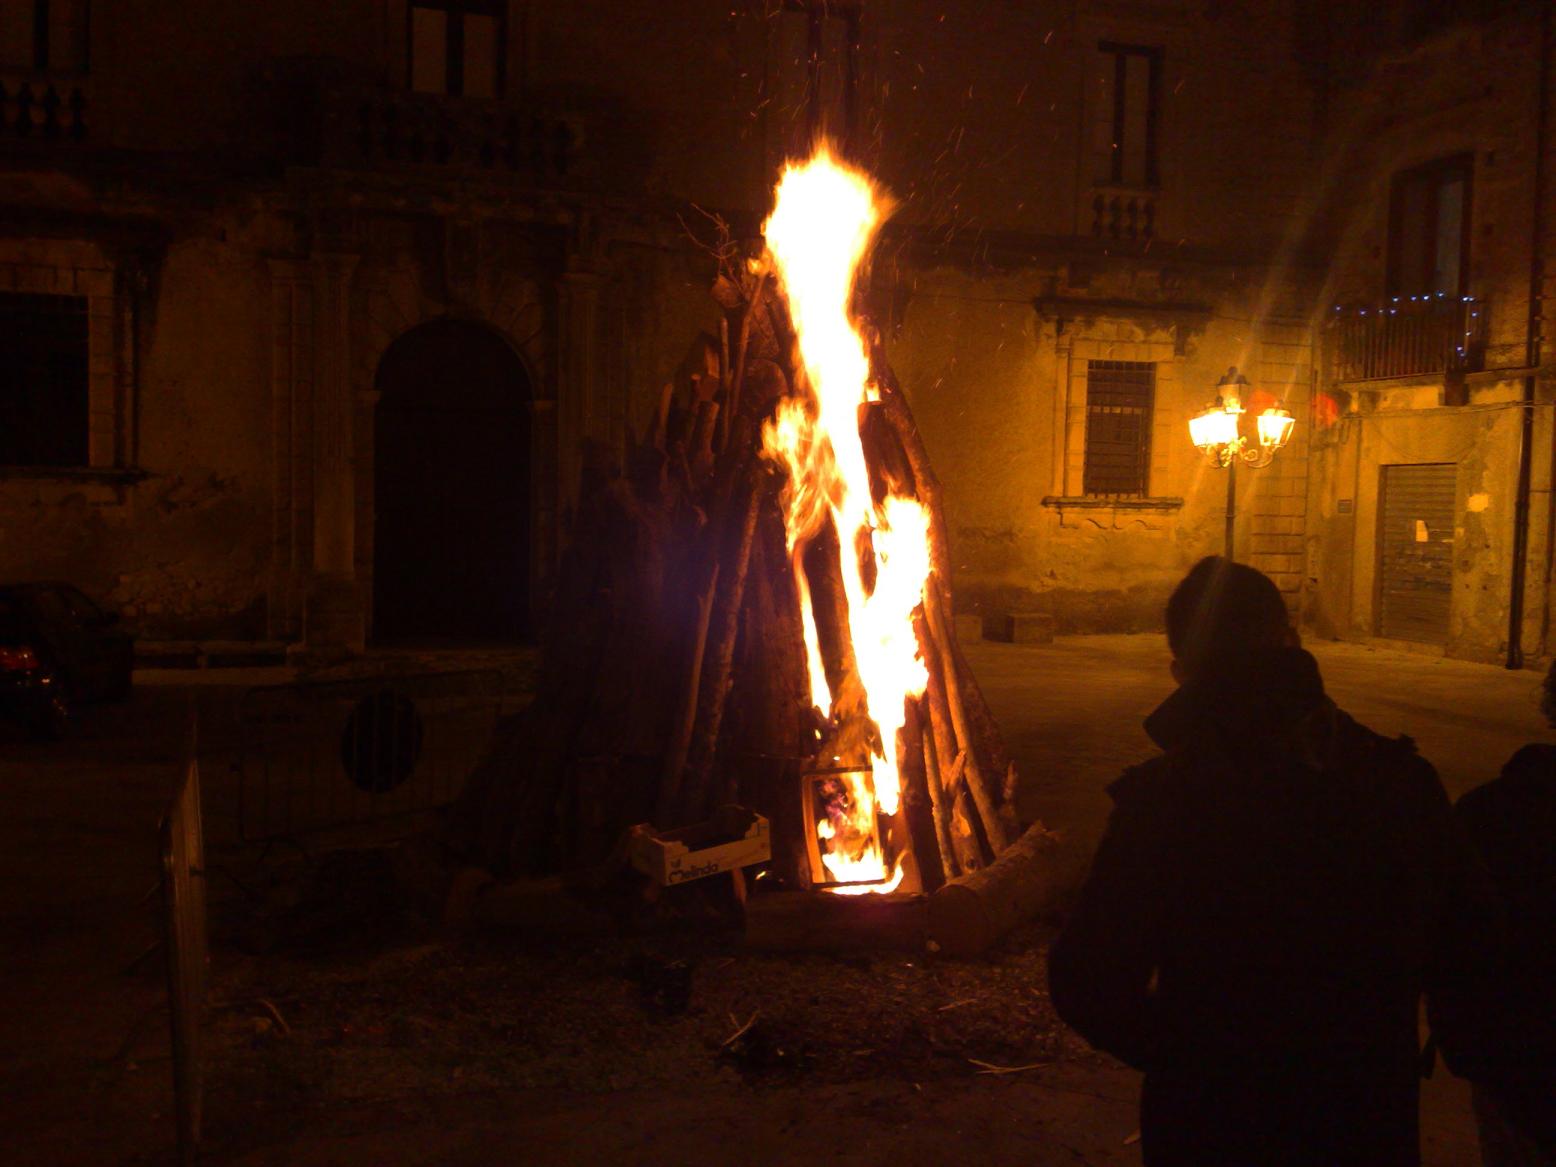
[(451, 478)]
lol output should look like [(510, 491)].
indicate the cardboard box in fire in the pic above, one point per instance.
[(734, 837)]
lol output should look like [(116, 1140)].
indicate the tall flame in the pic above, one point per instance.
[(824, 218)]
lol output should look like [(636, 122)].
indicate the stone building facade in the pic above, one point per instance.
[(1431, 464), (296, 267)]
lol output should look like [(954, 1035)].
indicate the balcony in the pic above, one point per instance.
[(37, 107), (385, 129), (1124, 213), (1409, 336)]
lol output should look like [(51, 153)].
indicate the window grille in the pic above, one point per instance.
[(1119, 399), (43, 380)]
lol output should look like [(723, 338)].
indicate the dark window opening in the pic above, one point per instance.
[(1128, 114), (457, 47), (43, 380), (1429, 229), (1119, 401), (451, 487), (44, 35)]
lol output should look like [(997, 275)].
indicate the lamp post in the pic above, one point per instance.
[(1218, 431)]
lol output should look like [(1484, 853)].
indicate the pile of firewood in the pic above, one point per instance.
[(673, 675)]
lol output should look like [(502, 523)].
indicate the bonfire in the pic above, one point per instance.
[(755, 609)]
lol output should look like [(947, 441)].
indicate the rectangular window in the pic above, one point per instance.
[(1119, 401), (44, 35), (812, 76), (1429, 229), (43, 380), (456, 47), (1125, 122)]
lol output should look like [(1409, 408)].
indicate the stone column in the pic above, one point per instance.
[(335, 606)]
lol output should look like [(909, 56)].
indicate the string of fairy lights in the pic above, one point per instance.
[(1397, 304)]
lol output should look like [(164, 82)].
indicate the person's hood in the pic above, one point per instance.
[(1254, 701), (1535, 762)]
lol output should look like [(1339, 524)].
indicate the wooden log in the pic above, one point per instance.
[(769, 725), (918, 803), (984, 786), (926, 485), (716, 672), (941, 805), (702, 440), (659, 435), (686, 718), (814, 921), (890, 471), (947, 761), (977, 784), (971, 912), (743, 345), (726, 379), (829, 604), (966, 831)]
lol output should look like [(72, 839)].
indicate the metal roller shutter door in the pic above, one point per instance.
[(1415, 552)]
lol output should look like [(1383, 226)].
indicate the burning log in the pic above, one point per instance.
[(777, 539)]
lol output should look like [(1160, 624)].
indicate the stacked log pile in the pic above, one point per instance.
[(673, 675)]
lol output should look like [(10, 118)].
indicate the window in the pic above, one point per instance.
[(456, 47), (1119, 397), (43, 380), (1128, 79), (1429, 229), (44, 35), (813, 75)]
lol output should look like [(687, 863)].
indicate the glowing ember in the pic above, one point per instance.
[(824, 219)]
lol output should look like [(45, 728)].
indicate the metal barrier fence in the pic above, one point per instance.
[(324, 754), (183, 900)]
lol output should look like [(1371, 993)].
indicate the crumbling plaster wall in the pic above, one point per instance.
[(998, 389), (1423, 105), (181, 550), (1412, 107), (1348, 463)]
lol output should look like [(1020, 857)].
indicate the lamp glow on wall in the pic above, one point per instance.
[(1218, 431)]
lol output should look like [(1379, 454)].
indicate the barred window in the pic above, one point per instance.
[(1119, 400), (44, 392)]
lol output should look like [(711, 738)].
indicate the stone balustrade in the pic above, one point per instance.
[(42, 108), (1124, 213), (380, 128)]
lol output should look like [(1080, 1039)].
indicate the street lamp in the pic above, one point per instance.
[(1218, 431)]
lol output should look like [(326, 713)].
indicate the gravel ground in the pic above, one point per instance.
[(421, 1018)]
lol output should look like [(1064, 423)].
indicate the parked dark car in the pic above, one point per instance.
[(58, 648)]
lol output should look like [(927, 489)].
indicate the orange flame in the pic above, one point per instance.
[(824, 219)]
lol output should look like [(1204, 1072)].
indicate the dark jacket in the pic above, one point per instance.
[(1512, 822), (1269, 900)]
